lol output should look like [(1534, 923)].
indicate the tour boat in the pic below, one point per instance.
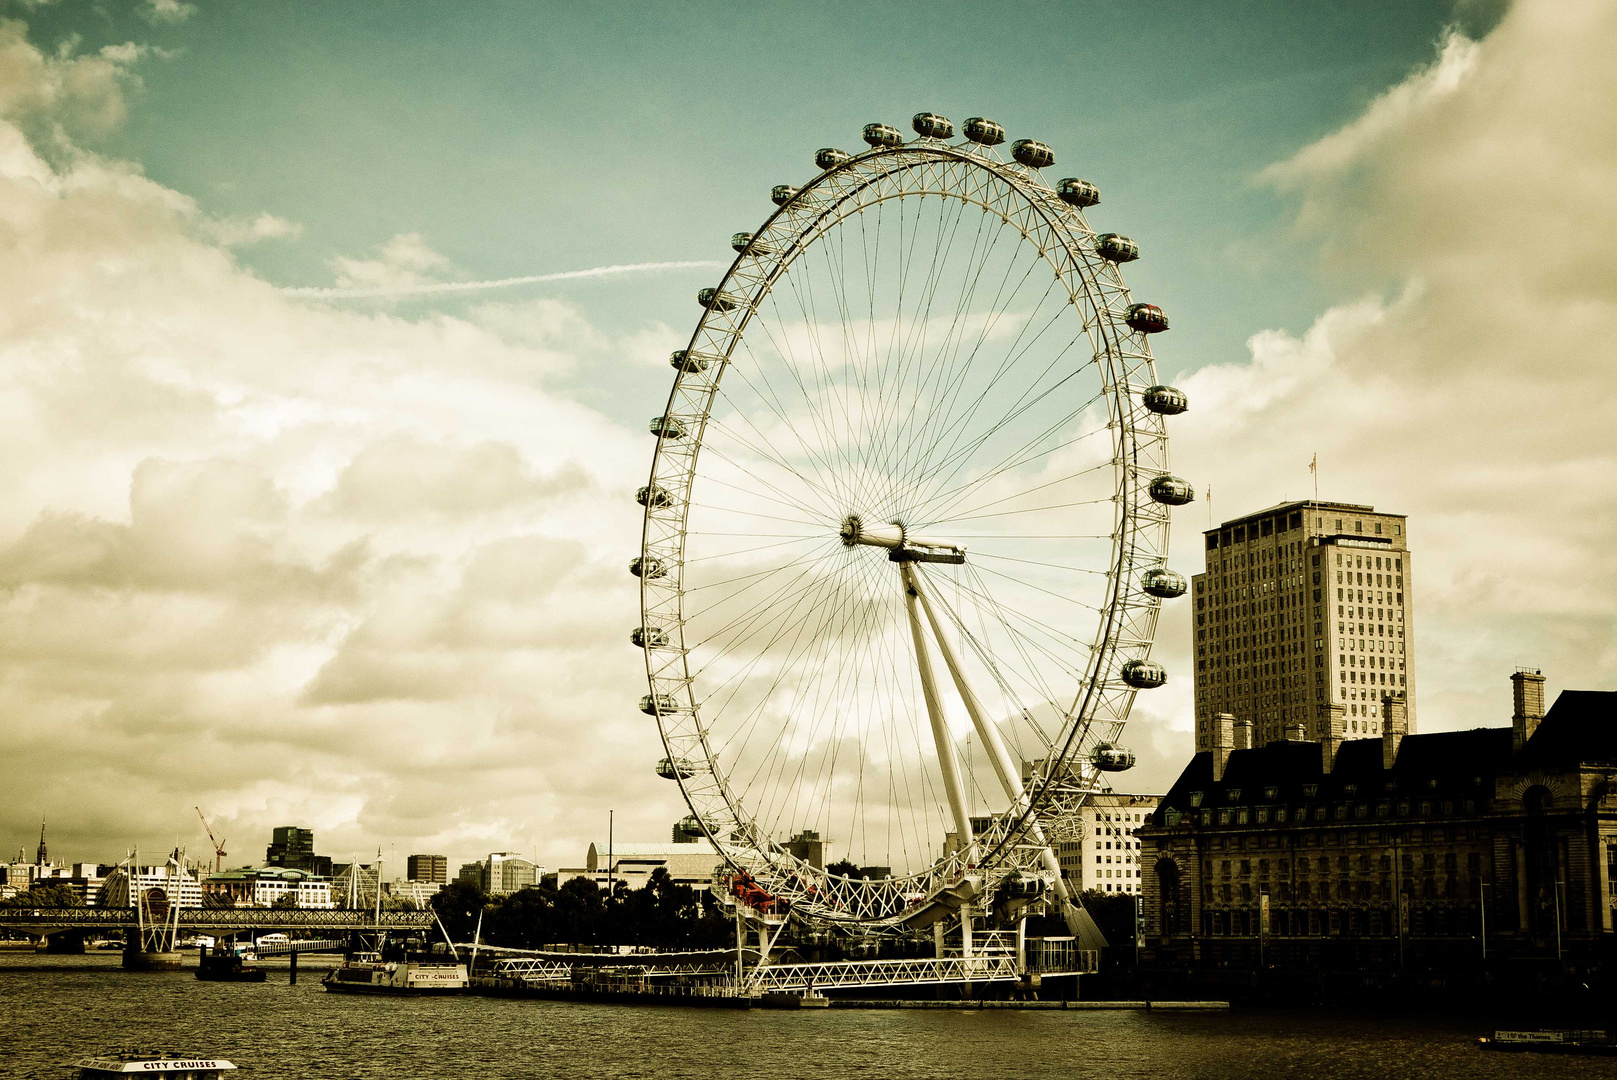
[(1557, 1041), (368, 973), (168, 1065)]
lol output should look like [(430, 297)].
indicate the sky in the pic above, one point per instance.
[(356, 563)]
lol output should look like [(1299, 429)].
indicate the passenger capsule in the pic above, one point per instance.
[(1160, 581), (675, 769), (1172, 491), (932, 126), (1118, 249), (1017, 887), (649, 567), (1167, 400), (648, 637), (667, 427), (984, 131), (829, 157), (691, 825), (781, 194), (714, 300), (1146, 318), (740, 242), (1033, 153), (654, 496), (883, 135), (1144, 674), (1079, 193), (688, 362), (1110, 758), (652, 704)]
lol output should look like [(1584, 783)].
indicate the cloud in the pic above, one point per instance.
[(234, 232), (166, 11), (1469, 385), (81, 92), (280, 558)]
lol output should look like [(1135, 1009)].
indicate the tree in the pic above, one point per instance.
[(458, 906), (45, 896), (285, 902)]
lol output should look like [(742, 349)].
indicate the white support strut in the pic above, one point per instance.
[(952, 784), (1004, 767)]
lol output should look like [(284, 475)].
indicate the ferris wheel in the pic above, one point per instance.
[(917, 429)]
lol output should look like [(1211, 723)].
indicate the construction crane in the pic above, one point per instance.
[(218, 846)]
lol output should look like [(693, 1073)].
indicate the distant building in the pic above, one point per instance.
[(503, 872), (691, 863), (292, 847), (1108, 856), (1302, 607), (264, 887), (1404, 851), (418, 893), (808, 846), (433, 869)]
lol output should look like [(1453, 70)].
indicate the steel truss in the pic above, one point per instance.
[(1044, 814)]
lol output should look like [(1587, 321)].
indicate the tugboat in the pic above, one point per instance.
[(220, 966), (177, 1068), (368, 973)]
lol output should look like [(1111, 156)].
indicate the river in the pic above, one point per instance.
[(56, 1008)]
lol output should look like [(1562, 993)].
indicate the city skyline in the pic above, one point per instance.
[(359, 564)]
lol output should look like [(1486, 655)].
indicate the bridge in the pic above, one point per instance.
[(227, 920)]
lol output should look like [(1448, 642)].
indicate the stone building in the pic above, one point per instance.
[(1428, 851), (1302, 606)]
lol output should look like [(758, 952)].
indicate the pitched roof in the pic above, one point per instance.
[(1580, 728)]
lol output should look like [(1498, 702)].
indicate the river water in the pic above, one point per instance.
[(54, 1009)]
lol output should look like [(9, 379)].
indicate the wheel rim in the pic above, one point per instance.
[(813, 395)]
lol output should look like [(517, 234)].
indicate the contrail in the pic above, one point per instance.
[(498, 283)]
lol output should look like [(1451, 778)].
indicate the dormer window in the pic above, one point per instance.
[(1233, 794), (1271, 793), (1310, 790), (1195, 798), (1350, 789)]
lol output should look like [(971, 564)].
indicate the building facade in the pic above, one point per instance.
[(267, 887), (1302, 607), (688, 863), (1432, 852), (501, 873), (432, 869), (292, 847), (1108, 857)]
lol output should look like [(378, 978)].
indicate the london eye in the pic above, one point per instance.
[(905, 533)]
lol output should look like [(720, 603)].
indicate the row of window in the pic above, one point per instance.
[(1365, 863)]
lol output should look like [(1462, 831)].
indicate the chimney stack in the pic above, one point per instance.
[(1328, 729), (1223, 743), (1296, 733), (1527, 694), (1394, 726), (1243, 733)]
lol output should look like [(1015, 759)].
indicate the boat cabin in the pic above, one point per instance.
[(176, 1068)]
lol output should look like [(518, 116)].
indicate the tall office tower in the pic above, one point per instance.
[(433, 869), (1304, 621)]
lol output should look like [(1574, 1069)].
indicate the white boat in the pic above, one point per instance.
[(175, 1068), (368, 973)]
